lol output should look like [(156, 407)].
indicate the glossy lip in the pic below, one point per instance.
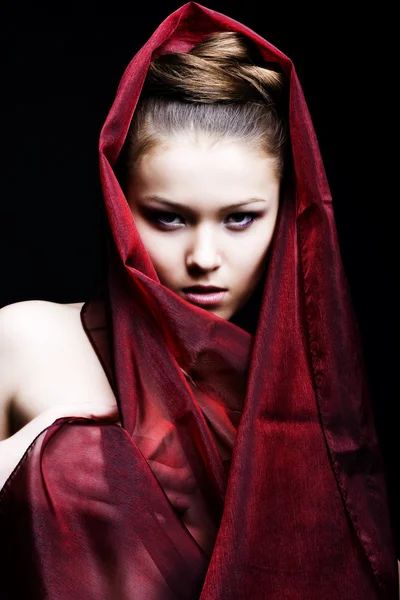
[(205, 299)]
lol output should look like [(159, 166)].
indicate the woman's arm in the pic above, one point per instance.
[(14, 340), (8, 383), (13, 448)]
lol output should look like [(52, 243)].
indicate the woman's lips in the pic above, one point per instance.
[(205, 298)]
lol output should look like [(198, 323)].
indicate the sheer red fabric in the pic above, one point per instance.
[(246, 467)]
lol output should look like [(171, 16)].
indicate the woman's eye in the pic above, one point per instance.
[(241, 220), (170, 220), (167, 219)]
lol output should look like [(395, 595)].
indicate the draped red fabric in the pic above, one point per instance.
[(246, 467)]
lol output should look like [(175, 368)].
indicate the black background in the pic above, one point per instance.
[(60, 67)]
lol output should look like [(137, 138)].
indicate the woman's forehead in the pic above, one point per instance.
[(191, 173)]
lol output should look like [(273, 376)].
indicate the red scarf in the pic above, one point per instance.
[(247, 466)]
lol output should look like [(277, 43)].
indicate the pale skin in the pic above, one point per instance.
[(206, 214), (181, 196)]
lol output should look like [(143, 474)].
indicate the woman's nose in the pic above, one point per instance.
[(203, 250)]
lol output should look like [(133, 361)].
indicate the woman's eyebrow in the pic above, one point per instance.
[(178, 206)]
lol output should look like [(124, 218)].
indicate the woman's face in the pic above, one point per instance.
[(206, 213)]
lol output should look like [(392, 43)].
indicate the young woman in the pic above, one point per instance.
[(201, 427)]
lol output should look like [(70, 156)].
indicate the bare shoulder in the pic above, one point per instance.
[(38, 333), (46, 358), (31, 317), (25, 328)]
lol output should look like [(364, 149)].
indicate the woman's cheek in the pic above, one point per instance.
[(165, 259)]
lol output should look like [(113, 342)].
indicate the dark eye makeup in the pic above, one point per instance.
[(169, 221)]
